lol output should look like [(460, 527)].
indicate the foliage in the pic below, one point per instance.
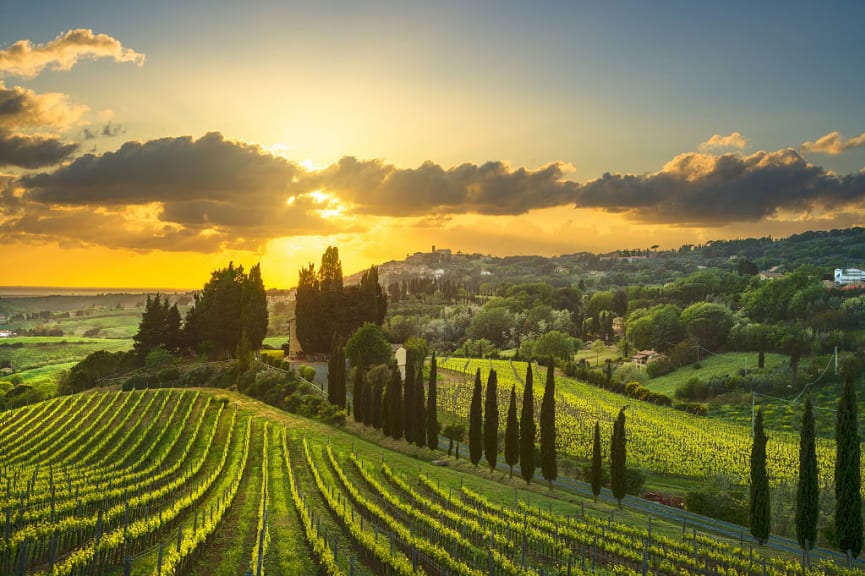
[(491, 421), (336, 392), (96, 365), (394, 402), (618, 454), (848, 502), (720, 497), (432, 424), (512, 433), (760, 517), (707, 323), (549, 469), (596, 471), (476, 423), (368, 346), (808, 488), (527, 428), (159, 327)]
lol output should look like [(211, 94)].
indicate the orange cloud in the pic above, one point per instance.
[(718, 142), (23, 58), (834, 143)]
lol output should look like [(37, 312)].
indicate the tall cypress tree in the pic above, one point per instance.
[(512, 433), (366, 399), (408, 405), (357, 394), (548, 427), (527, 429), (618, 456), (432, 423), (385, 406), (336, 373), (596, 462), (476, 435), (491, 421), (848, 504), (395, 415), (808, 489), (419, 419), (375, 404), (760, 514)]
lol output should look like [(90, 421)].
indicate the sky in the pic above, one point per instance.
[(147, 143)]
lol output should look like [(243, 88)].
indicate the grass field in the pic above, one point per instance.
[(594, 358), (716, 365)]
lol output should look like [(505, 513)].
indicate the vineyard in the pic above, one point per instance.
[(660, 439), (203, 482)]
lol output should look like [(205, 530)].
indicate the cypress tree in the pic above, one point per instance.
[(527, 430), (548, 427), (848, 504), (366, 399), (357, 394), (432, 424), (395, 414), (760, 515), (385, 406), (808, 489), (376, 404), (419, 413), (512, 433), (491, 421), (618, 455), (596, 462), (336, 374), (408, 405), (476, 423)]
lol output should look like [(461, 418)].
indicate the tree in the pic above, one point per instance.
[(808, 489), (432, 424), (394, 398), (848, 503), (618, 456), (759, 508), (366, 400), (307, 312), (512, 434), (376, 378), (408, 402), (336, 374), (419, 420), (152, 328), (454, 433), (476, 423), (491, 421), (253, 307), (596, 462), (173, 340), (708, 323), (330, 284), (549, 469), (214, 324), (357, 394), (527, 430), (368, 347)]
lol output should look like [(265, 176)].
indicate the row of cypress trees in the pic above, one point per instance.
[(519, 434), (848, 503), (399, 409)]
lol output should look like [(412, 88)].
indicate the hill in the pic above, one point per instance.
[(208, 481)]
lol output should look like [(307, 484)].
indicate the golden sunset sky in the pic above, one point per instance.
[(145, 145)]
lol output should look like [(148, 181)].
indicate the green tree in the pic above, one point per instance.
[(848, 503), (419, 420), (151, 330), (527, 429), (357, 394), (759, 503), (330, 284), (336, 374), (596, 474), (432, 424), (394, 397), (408, 401), (618, 456), (366, 399), (491, 421), (368, 347), (549, 469), (476, 435), (215, 321), (307, 310), (512, 434), (376, 379), (808, 488), (173, 340), (707, 323), (253, 307), (554, 344)]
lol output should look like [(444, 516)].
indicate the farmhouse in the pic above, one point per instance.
[(643, 357), (849, 277), (399, 354)]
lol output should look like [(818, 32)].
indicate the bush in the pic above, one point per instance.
[(720, 498), (694, 408)]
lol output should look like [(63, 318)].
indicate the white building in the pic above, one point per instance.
[(849, 276)]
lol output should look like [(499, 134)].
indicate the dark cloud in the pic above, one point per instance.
[(111, 130), (707, 190), (24, 108), (26, 151), (490, 188)]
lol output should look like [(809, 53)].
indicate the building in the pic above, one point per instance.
[(399, 354), (618, 326), (643, 357), (849, 277)]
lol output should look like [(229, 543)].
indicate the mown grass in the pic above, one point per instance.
[(717, 365), (597, 358)]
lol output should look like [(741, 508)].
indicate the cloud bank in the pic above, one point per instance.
[(834, 143), (23, 58), (26, 151)]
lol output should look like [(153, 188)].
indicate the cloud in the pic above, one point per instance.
[(25, 151), (834, 143), (24, 108), (708, 190), (374, 187), (109, 130), (718, 142), (23, 58)]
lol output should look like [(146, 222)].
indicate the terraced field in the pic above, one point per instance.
[(209, 482)]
